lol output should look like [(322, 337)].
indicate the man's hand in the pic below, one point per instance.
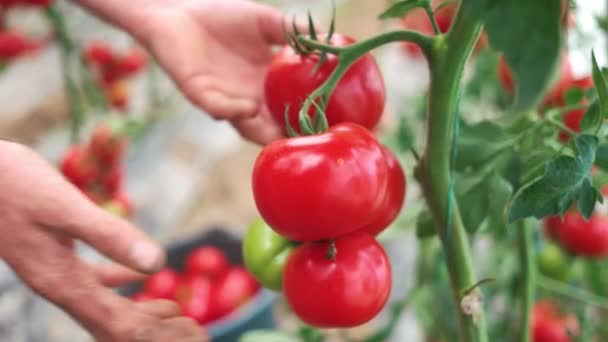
[(41, 215)]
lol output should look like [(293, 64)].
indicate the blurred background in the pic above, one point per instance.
[(187, 174)]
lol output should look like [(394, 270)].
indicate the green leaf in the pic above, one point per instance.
[(566, 179), (499, 194), (592, 117), (266, 336), (528, 34), (601, 156), (478, 143), (473, 205), (425, 227), (399, 9), (601, 87), (574, 95)]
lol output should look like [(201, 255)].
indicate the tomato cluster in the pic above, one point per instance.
[(359, 96), (209, 288), (96, 169), (580, 237), (113, 70), (550, 325), (13, 43)]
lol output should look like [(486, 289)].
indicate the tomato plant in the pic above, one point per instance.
[(359, 96), (341, 291), (265, 254), (299, 184)]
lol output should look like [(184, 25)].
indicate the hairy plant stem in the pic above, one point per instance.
[(447, 64), (525, 232)]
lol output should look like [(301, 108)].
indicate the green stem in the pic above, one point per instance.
[(561, 126), (569, 291), (66, 45), (429, 12), (525, 233), (433, 172)]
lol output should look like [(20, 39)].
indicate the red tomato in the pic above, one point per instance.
[(207, 261), (584, 238), (322, 186), (112, 180), (548, 325), (344, 292), (78, 168), (98, 53), (552, 224), (232, 289), (106, 146), (141, 297), (394, 198), (555, 95), (193, 295), (14, 44), (131, 63), (572, 120), (359, 96), (162, 284)]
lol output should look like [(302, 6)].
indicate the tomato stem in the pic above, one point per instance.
[(431, 15), (525, 232), (331, 251), (570, 291)]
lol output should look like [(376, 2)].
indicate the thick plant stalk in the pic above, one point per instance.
[(525, 233), (447, 63)]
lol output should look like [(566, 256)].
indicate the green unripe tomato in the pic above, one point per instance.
[(553, 262), (265, 253)]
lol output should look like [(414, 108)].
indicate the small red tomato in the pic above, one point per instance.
[(14, 44), (162, 284), (573, 121), (98, 53), (141, 297), (78, 168), (346, 291), (131, 63), (585, 238), (107, 147), (552, 224), (359, 97), (394, 198), (207, 261), (321, 186), (549, 325), (112, 180), (193, 295), (232, 289)]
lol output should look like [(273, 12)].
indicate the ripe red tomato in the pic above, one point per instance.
[(344, 292), (555, 95), (193, 292), (359, 96), (112, 180), (394, 198), (77, 167), (98, 53), (573, 121), (162, 284), (232, 289), (552, 226), (321, 186), (131, 63), (549, 325), (106, 146), (14, 44), (584, 238), (207, 261)]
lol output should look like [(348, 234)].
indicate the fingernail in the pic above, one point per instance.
[(147, 256)]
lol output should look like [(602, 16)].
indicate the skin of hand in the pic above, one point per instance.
[(41, 215), (217, 52)]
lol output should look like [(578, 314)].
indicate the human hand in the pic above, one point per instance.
[(218, 52), (41, 215)]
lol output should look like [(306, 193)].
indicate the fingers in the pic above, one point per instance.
[(114, 275), (261, 129), (273, 24), (162, 309), (187, 328), (115, 238)]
